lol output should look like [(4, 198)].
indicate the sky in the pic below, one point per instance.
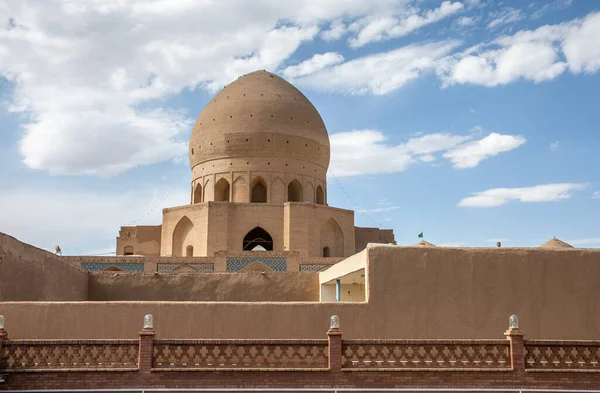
[(471, 121)]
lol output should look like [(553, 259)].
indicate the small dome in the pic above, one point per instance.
[(260, 115), (423, 243), (556, 243)]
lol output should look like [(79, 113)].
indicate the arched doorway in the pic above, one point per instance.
[(189, 251), (222, 191), (294, 191), (182, 237), (259, 191), (332, 239), (258, 237)]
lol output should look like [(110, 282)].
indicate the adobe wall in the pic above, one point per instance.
[(29, 273), (364, 236), (144, 239), (413, 292), (228, 287)]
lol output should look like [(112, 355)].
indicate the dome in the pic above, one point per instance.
[(423, 243), (556, 243), (260, 115)]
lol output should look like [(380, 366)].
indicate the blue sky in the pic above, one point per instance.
[(471, 121)]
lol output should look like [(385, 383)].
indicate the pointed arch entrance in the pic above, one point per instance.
[(258, 237), (332, 239)]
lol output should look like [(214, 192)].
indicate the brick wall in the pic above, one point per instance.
[(512, 363)]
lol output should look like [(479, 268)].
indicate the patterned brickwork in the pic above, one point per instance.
[(315, 267), (31, 355), (430, 354), (171, 267), (214, 354), (126, 267), (562, 355), (236, 264)]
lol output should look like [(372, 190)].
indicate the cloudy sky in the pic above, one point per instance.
[(473, 121)]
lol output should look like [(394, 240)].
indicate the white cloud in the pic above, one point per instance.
[(465, 21), (554, 145), (70, 218), (469, 155), (542, 193), (504, 17), (336, 30), (586, 242), (377, 209), (551, 6), (381, 73), (89, 76), (596, 195), (312, 65), (368, 152), (536, 55), (385, 27)]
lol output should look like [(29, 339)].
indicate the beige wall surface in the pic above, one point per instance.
[(29, 273), (144, 239), (231, 287), (365, 236), (414, 292)]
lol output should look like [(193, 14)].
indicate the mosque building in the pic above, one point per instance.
[(259, 154)]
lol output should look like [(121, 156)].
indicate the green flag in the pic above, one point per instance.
[(421, 235)]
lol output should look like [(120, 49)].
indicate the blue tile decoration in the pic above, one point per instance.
[(126, 267), (236, 264), (171, 267), (315, 268)]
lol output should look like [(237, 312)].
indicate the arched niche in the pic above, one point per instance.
[(128, 250), (189, 251), (259, 191), (294, 191), (240, 190), (309, 193), (278, 191), (332, 238), (320, 194), (257, 237), (208, 191), (222, 191), (326, 252), (182, 237), (198, 193)]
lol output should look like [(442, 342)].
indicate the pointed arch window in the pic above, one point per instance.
[(258, 237)]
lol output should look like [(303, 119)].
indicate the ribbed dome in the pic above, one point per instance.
[(556, 243), (260, 115)]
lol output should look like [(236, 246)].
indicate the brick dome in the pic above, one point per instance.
[(260, 115)]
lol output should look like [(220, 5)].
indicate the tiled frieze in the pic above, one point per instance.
[(314, 267), (367, 354), (171, 267), (126, 267), (241, 355), (236, 264)]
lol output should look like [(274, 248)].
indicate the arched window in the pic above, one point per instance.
[(189, 251), (198, 193), (320, 195), (222, 191), (326, 252), (258, 237), (259, 191), (295, 191), (128, 250)]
